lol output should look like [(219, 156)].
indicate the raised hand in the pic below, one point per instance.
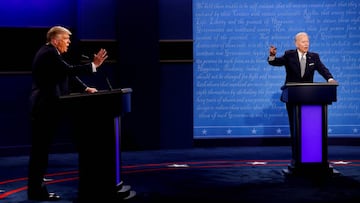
[(272, 50), (100, 57)]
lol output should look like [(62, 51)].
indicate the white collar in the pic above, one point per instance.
[(300, 54)]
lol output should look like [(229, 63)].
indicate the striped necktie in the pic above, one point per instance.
[(302, 64)]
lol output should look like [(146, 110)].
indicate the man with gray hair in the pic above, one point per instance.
[(300, 66)]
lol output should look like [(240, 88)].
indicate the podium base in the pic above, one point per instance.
[(131, 195), (124, 192), (119, 193), (311, 170), (123, 195)]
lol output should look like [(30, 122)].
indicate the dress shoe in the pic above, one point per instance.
[(49, 197)]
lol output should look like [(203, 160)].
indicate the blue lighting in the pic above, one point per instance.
[(117, 149), (37, 13), (311, 134)]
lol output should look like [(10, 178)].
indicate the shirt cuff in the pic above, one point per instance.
[(271, 58), (93, 67)]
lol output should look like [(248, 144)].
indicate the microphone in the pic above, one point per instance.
[(108, 82), (103, 73)]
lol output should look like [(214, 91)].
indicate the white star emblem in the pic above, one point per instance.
[(257, 163), (340, 162), (178, 165), (253, 131), (330, 130), (204, 132), (355, 130), (228, 131)]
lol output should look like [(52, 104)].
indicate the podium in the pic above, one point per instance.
[(96, 124), (309, 103)]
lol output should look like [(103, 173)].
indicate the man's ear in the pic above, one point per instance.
[(54, 42)]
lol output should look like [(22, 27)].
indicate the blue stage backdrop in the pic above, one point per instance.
[(236, 92), (37, 13)]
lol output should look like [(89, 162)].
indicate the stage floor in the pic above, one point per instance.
[(212, 174)]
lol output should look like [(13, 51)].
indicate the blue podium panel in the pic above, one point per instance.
[(311, 134), (117, 161)]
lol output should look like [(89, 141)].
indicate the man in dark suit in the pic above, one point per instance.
[(51, 76), (298, 73)]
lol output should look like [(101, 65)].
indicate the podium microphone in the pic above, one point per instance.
[(85, 57), (103, 73), (108, 82)]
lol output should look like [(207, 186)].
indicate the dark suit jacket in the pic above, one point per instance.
[(292, 65), (51, 76)]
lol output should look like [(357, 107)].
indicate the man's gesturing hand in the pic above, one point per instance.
[(272, 50), (100, 57)]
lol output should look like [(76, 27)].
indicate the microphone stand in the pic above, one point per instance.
[(103, 73)]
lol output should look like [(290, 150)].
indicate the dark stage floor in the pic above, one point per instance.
[(224, 174)]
